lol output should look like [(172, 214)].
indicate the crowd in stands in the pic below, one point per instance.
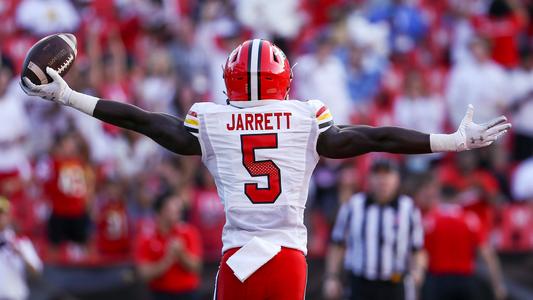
[(84, 191)]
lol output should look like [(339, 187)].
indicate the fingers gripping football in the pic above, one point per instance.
[(57, 90), (474, 135)]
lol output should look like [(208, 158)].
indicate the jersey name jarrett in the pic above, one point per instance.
[(260, 121)]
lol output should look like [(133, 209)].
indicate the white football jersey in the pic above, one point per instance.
[(261, 157)]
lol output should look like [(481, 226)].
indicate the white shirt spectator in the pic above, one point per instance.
[(522, 84), (157, 93), (425, 113), (279, 17), (93, 132), (47, 17), (207, 35), (14, 129), (133, 159), (374, 36), (485, 85), (521, 187), (153, 13), (12, 268), (462, 33), (325, 81)]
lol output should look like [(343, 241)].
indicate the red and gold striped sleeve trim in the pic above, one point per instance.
[(323, 116), (192, 123)]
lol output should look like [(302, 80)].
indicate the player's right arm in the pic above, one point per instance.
[(345, 141), (166, 130)]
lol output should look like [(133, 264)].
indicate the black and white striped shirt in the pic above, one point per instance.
[(379, 239)]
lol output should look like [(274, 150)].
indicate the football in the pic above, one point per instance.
[(57, 51)]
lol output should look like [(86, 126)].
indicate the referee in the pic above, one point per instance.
[(379, 234)]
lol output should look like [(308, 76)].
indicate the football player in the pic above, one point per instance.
[(261, 149)]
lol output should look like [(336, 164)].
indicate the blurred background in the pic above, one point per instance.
[(410, 63)]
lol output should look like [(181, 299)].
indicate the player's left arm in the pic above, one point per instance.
[(351, 140)]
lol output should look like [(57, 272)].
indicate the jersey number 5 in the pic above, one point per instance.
[(256, 168)]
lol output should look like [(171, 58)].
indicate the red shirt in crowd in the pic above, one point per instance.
[(452, 237), (502, 32), (113, 233), (207, 214), (67, 186), (151, 248), (476, 187)]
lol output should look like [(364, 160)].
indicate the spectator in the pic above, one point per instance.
[(522, 107), (46, 17), (417, 109), (453, 236), (406, 23), (481, 82), (190, 60), (145, 188), (207, 214), (14, 131), (327, 190), (322, 76), (133, 154), (108, 71), (159, 14), (18, 258), (462, 30), (478, 189), (7, 18), (217, 38), (278, 17), (364, 74), (68, 185), (382, 231), (502, 26), (521, 187), (113, 234), (157, 89), (169, 258)]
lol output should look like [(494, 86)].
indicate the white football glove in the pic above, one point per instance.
[(470, 135), (59, 92)]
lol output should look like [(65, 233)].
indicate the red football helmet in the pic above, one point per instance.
[(257, 70)]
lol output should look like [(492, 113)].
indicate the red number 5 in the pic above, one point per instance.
[(249, 143)]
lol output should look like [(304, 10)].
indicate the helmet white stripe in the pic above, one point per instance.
[(254, 61)]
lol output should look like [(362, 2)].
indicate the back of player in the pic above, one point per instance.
[(262, 158), (261, 149)]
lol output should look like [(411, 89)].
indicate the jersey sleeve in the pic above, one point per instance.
[(191, 122), (322, 114)]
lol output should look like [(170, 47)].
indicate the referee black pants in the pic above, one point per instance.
[(364, 289), (450, 287)]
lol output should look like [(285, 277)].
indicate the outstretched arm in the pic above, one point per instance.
[(347, 141), (166, 130)]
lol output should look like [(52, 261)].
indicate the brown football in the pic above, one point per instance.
[(57, 51)]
